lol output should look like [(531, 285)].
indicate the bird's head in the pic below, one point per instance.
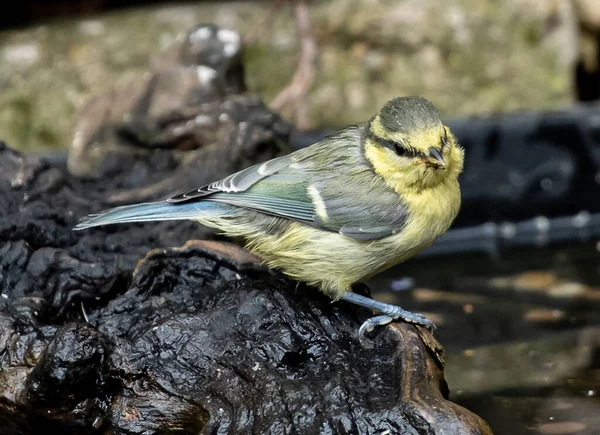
[(410, 147)]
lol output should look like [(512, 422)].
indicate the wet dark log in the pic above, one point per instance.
[(158, 328), (200, 339)]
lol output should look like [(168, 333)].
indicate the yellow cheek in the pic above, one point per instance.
[(397, 175), (380, 159), (456, 157)]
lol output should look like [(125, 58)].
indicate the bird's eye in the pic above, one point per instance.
[(397, 148), (400, 150)]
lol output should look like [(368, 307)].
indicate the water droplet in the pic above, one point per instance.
[(546, 184)]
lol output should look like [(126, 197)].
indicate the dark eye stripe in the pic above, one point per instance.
[(399, 148), (394, 146)]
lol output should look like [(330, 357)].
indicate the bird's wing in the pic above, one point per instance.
[(362, 214), (273, 187), (316, 194), (236, 182)]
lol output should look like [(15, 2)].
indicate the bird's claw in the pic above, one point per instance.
[(370, 324), (423, 321), (390, 313)]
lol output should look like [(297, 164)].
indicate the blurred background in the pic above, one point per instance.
[(515, 285), (470, 56)]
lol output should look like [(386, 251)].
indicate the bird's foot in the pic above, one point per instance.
[(418, 319), (390, 314)]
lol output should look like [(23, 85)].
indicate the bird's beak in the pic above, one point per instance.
[(435, 157)]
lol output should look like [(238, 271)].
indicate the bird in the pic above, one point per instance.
[(338, 212)]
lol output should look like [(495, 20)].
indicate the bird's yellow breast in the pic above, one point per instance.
[(431, 212)]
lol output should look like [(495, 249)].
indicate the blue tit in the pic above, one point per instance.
[(339, 211)]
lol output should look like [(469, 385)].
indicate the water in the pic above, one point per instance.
[(521, 333)]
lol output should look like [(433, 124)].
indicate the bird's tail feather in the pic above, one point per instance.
[(151, 211)]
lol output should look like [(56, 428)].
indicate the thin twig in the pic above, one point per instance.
[(294, 93)]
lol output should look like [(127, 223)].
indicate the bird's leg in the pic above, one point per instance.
[(362, 289), (390, 313)]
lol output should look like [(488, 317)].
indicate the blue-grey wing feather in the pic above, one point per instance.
[(360, 218), (291, 209), (365, 234), (236, 182), (357, 202)]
